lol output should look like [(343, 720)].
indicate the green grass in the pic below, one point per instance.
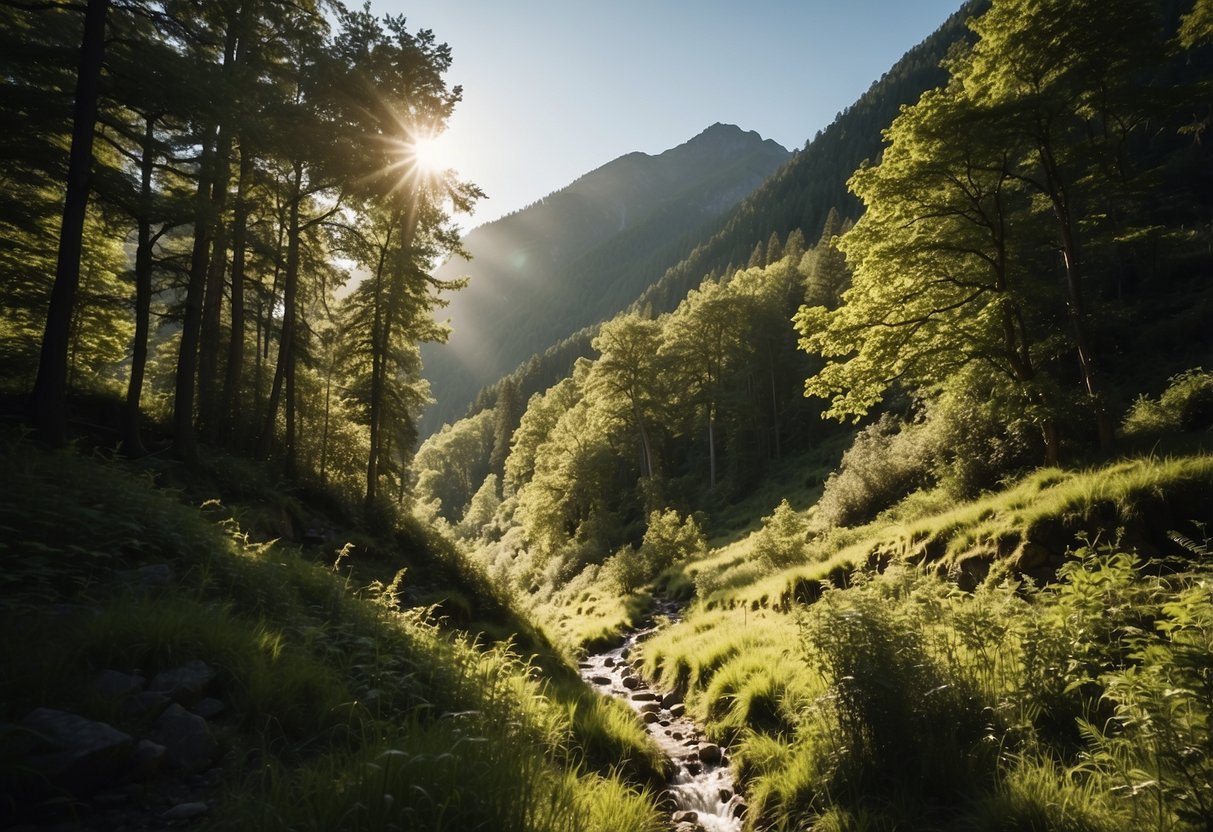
[(853, 699), (344, 710)]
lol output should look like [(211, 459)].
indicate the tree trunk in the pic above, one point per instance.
[(131, 440), (379, 339), (1060, 203), (233, 376), (47, 401), (286, 344), (187, 358), (209, 397)]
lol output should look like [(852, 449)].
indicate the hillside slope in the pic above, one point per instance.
[(583, 253)]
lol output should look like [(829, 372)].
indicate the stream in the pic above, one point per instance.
[(702, 790)]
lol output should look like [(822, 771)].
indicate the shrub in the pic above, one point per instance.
[(781, 540), (1185, 405), (887, 461)]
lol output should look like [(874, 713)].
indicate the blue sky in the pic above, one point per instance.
[(556, 88)]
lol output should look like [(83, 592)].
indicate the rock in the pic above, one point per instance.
[(644, 696), (739, 806), (188, 743), (147, 759), (1032, 555), (710, 753), (649, 718), (209, 708), (649, 708), (624, 653), (693, 769), (687, 816), (116, 685), (676, 735), (186, 811), (631, 682), (608, 662), (78, 755), (600, 680), (678, 710), (584, 665), (145, 703), (664, 723), (187, 683), (152, 576), (670, 700), (726, 795)]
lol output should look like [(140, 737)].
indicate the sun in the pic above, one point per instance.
[(429, 152)]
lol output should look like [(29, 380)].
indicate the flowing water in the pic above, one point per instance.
[(703, 783)]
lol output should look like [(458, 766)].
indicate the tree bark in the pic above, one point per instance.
[(47, 401), (184, 439), (286, 344), (233, 375), (131, 440)]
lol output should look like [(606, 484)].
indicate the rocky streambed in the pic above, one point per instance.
[(702, 794)]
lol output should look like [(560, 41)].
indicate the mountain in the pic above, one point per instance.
[(583, 253), (799, 195)]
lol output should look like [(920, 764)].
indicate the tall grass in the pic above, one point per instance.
[(344, 710)]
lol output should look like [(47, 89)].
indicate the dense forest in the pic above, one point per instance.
[(885, 508), (582, 254)]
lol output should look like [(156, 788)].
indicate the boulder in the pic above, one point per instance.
[(678, 710), (209, 708), (186, 811), (145, 704), (649, 708), (147, 759), (644, 696), (631, 682), (115, 684), (608, 662), (78, 755), (187, 740), (670, 700), (187, 683), (687, 816), (600, 680), (649, 718), (710, 754)]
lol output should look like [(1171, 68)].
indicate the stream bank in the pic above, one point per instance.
[(702, 794)]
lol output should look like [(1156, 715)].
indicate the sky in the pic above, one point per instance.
[(553, 89)]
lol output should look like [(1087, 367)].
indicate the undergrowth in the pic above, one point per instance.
[(347, 706)]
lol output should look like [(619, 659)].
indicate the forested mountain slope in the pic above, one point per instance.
[(583, 253), (798, 196)]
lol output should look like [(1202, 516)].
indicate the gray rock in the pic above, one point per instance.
[(115, 684), (209, 708), (678, 710), (188, 743), (186, 811), (687, 816), (79, 755), (670, 700), (710, 754), (145, 703), (147, 759), (187, 683)]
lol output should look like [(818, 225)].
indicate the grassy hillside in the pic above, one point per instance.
[(1068, 687), (347, 695)]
